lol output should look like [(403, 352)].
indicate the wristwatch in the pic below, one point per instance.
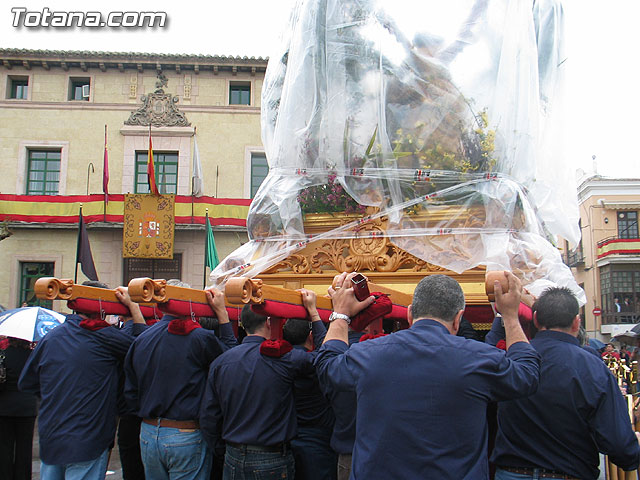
[(335, 316)]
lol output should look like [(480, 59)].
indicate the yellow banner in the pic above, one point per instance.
[(148, 226), (619, 246)]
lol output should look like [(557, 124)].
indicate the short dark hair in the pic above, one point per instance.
[(208, 323), (556, 308), (437, 296), (251, 321), (96, 284), (296, 331)]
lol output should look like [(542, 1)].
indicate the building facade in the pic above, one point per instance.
[(606, 263), (57, 108)]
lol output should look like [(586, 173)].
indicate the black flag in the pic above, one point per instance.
[(83, 252)]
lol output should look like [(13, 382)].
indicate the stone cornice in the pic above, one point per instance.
[(69, 105), (53, 59)]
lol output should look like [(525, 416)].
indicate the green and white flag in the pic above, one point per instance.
[(210, 252)]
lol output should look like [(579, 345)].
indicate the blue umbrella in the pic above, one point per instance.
[(29, 323), (595, 343)]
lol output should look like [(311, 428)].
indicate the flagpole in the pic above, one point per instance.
[(75, 278), (104, 166), (193, 179), (216, 181), (206, 241)]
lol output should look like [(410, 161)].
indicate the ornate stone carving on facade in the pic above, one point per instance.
[(159, 109)]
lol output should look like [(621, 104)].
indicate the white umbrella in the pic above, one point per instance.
[(29, 323)]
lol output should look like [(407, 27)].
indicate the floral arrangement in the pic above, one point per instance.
[(328, 198), (458, 149)]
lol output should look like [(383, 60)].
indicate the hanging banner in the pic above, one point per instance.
[(148, 226)]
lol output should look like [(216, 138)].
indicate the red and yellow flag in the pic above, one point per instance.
[(151, 169)]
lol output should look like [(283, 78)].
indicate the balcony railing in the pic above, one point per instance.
[(618, 246), (574, 259), (620, 317)]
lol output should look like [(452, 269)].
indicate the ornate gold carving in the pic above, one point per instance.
[(370, 251), (297, 263)]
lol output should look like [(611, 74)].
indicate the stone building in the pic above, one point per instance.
[(55, 107), (606, 263)]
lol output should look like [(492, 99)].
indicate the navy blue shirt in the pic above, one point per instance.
[(422, 397), (75, 372), (343, 403), (577, 411), (165, 374), (249, 396), (312, 407)]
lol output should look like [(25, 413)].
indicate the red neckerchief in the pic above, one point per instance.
[(275, 348), (369, 336), (182, 326), (93, 324)]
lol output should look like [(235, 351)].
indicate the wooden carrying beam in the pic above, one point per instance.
[(86, 299), (282, 302), (174, 300), (268, 299)]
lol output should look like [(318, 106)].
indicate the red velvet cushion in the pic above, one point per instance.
[(502, 344), (183, 308), (525, 314), (272, 308), (91, 305), (380, 308), (275, 348), (398, 312)]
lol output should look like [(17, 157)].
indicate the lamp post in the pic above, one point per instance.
[(90, 170)]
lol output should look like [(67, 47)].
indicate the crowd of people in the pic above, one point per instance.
[(193, 402)]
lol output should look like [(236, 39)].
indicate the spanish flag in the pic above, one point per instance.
[(151, 170)]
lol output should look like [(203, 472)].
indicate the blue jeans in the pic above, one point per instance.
[(95, 469), (256, 465), (314, 457), (174, 454)]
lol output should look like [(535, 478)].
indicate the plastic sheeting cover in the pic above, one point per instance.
[(414, 109)]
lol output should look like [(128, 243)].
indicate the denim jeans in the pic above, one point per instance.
[(314, 457), (174, 454), (95, 469), (256, 465)]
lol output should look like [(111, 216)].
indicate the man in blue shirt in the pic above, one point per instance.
[(314, 457), (577, 411), (249, 404), (423, 392), (165, 370), (74, 370), (344, 406)]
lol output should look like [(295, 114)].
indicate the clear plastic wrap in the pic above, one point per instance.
[(440, 118)]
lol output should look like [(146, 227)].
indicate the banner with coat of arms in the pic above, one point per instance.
[(148, 226)]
